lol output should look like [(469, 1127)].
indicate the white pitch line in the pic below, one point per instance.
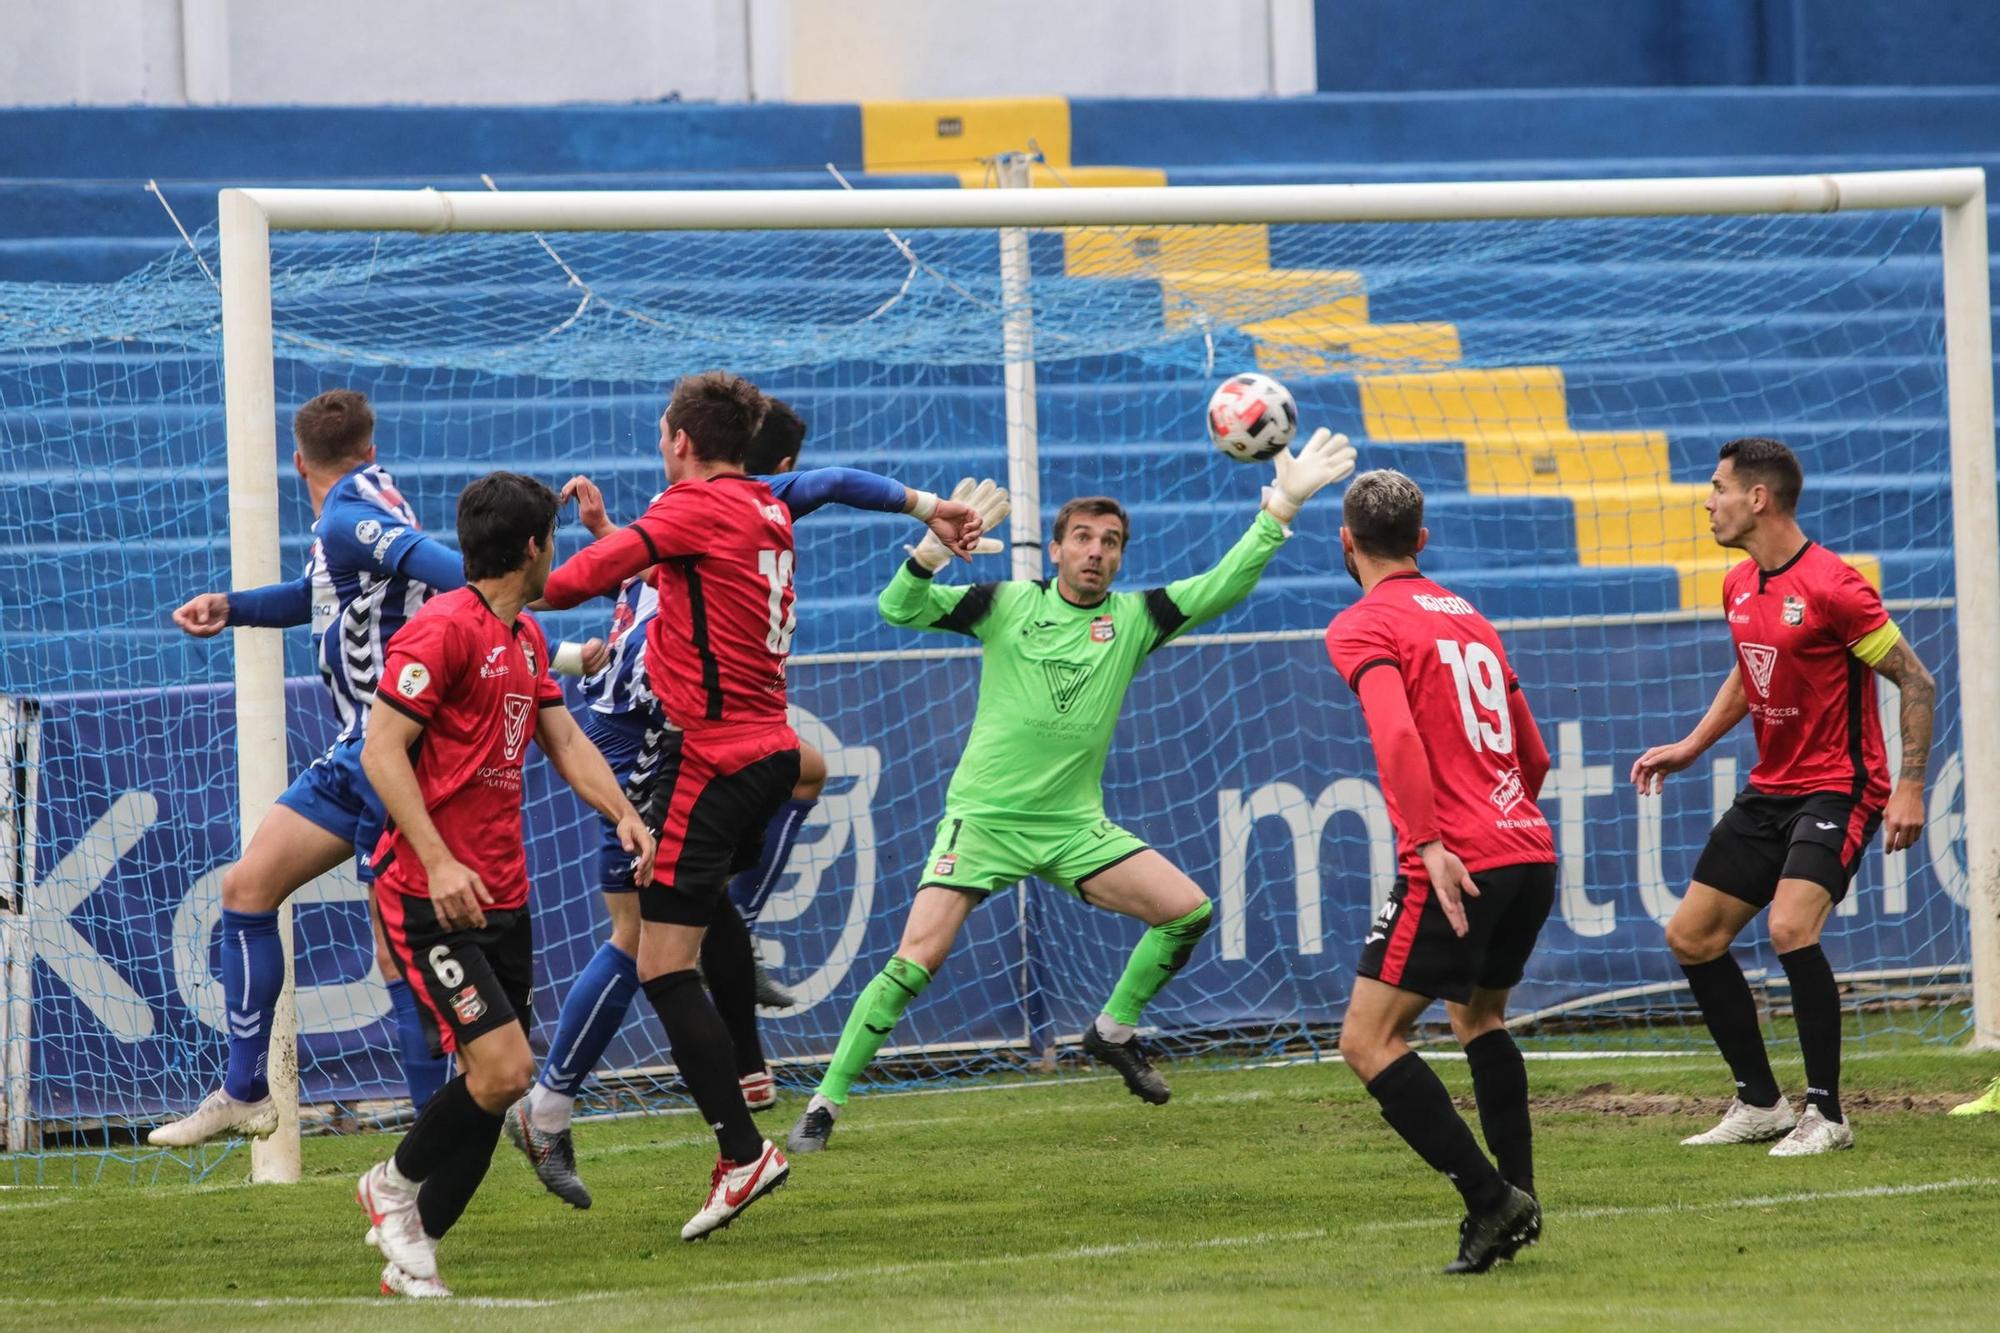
[(1070, 1255)]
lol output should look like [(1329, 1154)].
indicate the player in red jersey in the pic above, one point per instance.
[(720, 548), (1461, 763), (464, 684), (1807, 630)]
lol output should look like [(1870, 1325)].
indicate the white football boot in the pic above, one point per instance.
[(1815, 1134), (395, 1282), (1747, 1124), (219, 1113), (393, 1225), (735, 1187)]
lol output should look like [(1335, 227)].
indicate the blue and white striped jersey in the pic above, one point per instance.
[(621, 687), (370, 568)]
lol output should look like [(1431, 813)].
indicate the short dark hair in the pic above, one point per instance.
[(1767, 463), (1100, 506), (336, 426), (777, 441), (498, 515), (720, 413), (1384, 513)]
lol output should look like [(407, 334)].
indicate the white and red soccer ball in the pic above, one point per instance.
[(1251, 417)]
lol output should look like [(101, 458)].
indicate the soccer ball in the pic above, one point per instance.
[(1251, 417)]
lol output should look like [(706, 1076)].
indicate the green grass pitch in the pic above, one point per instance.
[(1269, 1197)]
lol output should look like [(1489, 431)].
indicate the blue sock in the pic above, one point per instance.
[(752, 889), (424, 1072), (591, 1014), (253, 972)]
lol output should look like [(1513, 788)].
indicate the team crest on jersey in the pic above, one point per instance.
[(413, 680), (514, 713), (1103, 630), (366, 531), (468, 1006), (1065, 681), (1795, 611), (1758, 659), (946, 866), (528, 652)]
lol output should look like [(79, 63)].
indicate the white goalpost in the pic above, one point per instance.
[(248, 217)]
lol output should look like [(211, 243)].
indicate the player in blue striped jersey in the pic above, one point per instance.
[(620, 709), (370, 568)]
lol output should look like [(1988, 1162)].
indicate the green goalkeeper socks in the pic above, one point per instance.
[(1163, 950), (874, 1016)]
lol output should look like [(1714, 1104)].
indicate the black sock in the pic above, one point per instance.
[(1416, 1105), (1816, 1009), (702, 1053), (1500, 1086), (730, 969), (1731, 1015), (451, 1184), (448, 1119)]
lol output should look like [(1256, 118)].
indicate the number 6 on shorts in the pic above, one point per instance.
[(448, 973)]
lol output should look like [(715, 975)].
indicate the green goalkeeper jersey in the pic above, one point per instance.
[(1053, 674)]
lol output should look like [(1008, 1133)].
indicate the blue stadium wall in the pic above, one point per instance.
[(1395, 46)]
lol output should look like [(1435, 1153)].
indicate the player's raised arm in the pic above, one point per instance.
[(1325, 459), (602, 567), (913, 598), (273, 606), (1649, 770), (952, 520)]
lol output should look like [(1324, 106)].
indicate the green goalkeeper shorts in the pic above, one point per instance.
[(984, 858)]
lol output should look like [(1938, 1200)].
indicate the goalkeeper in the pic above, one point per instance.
[(1028, 796)]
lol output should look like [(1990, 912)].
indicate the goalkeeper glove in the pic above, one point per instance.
[(986, 499), (1325, 459)]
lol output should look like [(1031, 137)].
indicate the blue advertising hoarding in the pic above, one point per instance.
[(1245, 763)]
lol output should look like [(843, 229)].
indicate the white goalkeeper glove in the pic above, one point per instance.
[(1324, 459), (986, 499)]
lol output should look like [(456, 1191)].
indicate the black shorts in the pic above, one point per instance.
[(1412, 947), (709, 809), (468, 982), (1762, 839)]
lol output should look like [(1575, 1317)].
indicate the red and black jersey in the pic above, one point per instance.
[(1476, 731), (721, 553), (1812, 703), (477, 685)]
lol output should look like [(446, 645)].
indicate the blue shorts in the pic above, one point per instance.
[(618, 737), (334, 793)]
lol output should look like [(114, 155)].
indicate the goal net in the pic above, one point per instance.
[(1559, 385)]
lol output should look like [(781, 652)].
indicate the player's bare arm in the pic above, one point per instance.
[(1903, 817), (582, 766), (1650, 770), (455, 890)]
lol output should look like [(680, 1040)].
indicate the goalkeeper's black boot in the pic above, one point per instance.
[(553, 1156), (1129, 1059), (1498, 1233)]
